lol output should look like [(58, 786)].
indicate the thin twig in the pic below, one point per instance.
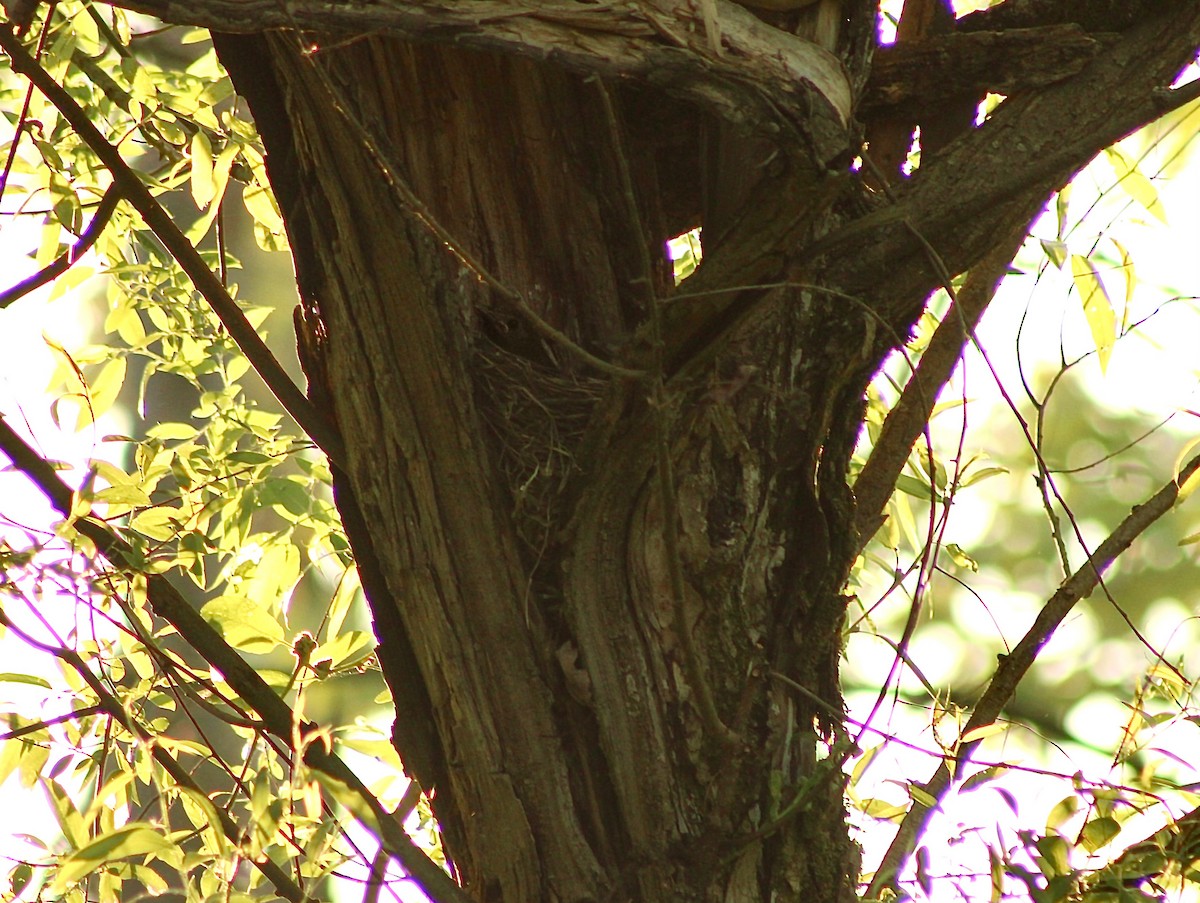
[(1016, 664), (22, 117), (74, 715)]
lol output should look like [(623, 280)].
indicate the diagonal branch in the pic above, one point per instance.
[(910, 415), (207, 284), (111, 706), (1017, 663), (1000, 174), (277, 717), (66, 260)]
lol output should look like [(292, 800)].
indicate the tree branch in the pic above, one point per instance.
[(278, 718), (64, 261), (926, 72), (1092, 15), (910, 415), (36, 726), (1001, 173), (988, 182), (1017, 663), (762, 77)]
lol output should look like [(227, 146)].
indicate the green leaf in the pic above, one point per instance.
[(123, 495), (244, 625), (105, 388), (346, 649), (978, 476), (12, 677), (1055, 855), (202, 170), (882, 809), (201, 812), (921, 796), (157, 523), (167, 431), (261, 205), (1098, 833), (1190, 539), (961, 558), (1055, 251), (984, 731), (1135, 183), (1130, 272), (910, 485), (1097, 307), (134, 839), (983, 777), (1062, 811), (72, 278), (125, 321), (289, 496), (219, 181), (343, 598)]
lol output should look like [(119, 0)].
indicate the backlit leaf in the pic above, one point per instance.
[(1097, 307)]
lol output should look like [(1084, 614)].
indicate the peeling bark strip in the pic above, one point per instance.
[(561, 599), (762, 78)]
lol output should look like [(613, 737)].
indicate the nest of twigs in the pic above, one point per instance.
[(537, 414)]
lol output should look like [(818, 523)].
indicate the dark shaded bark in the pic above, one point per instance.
[(589, 583)]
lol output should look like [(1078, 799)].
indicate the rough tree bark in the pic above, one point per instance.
[(596, 588)]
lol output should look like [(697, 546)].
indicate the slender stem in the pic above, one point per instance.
[(64, 261)]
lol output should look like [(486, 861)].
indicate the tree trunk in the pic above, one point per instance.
[(599, 735), (614, 593)]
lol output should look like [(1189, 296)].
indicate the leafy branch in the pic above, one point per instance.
[(130, 186), (277, 717)]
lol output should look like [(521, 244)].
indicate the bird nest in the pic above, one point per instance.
[(537, 414)]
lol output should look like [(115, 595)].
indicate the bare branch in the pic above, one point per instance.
[(927, 72), (1001, 173), (36, 726), (909, 416), (64, 261)]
